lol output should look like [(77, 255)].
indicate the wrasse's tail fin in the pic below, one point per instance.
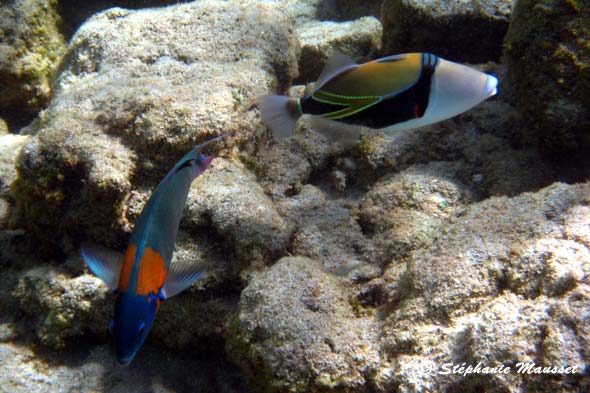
[(279, 113)]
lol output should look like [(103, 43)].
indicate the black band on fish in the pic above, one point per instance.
[(311, 106), (407, 105), (394, 93)]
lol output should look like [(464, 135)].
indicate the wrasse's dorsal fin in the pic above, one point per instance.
[(103, 263), (335, 64), (181, 276)]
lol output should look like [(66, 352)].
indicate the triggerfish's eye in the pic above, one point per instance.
[(141, 329)]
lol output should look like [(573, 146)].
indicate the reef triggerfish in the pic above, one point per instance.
[(394, 93), (144, 276)]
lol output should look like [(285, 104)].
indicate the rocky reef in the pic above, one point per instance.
[(553, 39), (368, 268), (471, 31), (31, 46)]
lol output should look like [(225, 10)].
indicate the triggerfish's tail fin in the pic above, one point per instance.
[(103, 263), (279, 113), (181, 276)]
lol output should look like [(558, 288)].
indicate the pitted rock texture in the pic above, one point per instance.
[(466, 31), (31, 46), (136, 91), (547, 51)]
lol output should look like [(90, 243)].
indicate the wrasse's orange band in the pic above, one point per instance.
[(151, 275)]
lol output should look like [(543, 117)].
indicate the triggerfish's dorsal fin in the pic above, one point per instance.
[(181, 276), (103, 262), (335, 64)]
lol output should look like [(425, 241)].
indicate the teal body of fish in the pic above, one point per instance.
[(395, 93), (144, 275)]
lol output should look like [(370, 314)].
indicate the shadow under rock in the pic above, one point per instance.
[(344, 10), (93, 368)]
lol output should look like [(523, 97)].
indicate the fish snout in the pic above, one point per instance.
[(457, 88), (491, 87)]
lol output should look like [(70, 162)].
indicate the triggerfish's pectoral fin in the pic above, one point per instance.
[(103, 263), (181, 276)]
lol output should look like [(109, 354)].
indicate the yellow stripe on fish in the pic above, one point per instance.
[(352, 104)]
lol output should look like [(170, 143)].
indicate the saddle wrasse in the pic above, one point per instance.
[(144, 275)]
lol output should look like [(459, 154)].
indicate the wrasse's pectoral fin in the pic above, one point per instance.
[(180, 277), (103, 263)]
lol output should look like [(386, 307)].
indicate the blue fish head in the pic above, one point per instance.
[(134, 315)]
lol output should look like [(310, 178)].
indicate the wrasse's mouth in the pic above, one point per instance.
[(491, 87)]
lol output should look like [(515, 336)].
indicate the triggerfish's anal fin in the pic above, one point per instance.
[(103, 263), (345, 134), (181, 276)]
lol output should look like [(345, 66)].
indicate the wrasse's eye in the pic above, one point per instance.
[(141, 329)]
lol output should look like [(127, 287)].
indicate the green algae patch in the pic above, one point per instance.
[(252, 164), (31, 49), (63, 307)]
